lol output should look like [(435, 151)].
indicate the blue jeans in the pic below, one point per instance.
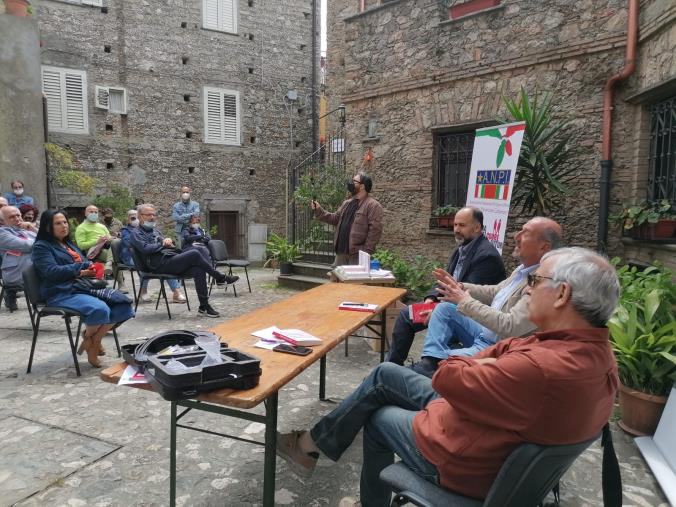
[(447, 324), (384, 405), (172, 282), (95, 311)]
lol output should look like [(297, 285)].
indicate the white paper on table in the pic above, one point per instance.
[(131, 376), (381, 273), (267, 344), (299, 336)]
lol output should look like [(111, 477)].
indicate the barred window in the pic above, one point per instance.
[(453, 161), (662, 183)]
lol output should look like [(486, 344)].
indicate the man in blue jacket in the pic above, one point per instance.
[(182, 211), (16, 242), (474, 261), (161, 256)]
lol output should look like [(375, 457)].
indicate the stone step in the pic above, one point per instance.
[(317, 258), (300, 282), (311, 269)]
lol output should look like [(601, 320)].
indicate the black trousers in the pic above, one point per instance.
[(402, 337), (191, 264)]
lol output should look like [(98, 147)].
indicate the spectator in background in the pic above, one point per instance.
[(16, 242), (182, 211), (196, 238), (29, 213), (112, 224), (16, 197), (3, 203), (127, 258)]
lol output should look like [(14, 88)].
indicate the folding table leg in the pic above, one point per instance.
[(172, 457), (270, 452), (322, 378), (383, 334)]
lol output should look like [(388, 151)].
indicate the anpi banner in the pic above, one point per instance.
[(491, 177)]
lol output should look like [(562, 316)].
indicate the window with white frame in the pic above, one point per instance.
[(66, 93), (221, 116), (111, 98), (220, 15)]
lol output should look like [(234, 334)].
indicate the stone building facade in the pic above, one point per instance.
[(418, 74), (244, 64)]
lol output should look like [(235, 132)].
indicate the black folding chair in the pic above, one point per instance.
[(528, 474), (219, 255), (141, 266), (38, 308), (118, 265)]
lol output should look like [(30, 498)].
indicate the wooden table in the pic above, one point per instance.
[(315, 311)]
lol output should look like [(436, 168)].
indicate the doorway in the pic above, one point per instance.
[(227, 230)]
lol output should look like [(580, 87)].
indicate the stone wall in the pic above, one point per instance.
[(22, 155), (148, 150), (419, 73)]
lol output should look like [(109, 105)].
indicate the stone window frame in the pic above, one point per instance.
[(383, 5), (220, 25), (64, 101), (461, 11)]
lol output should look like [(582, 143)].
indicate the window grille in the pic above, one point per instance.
[(662, 175), (453, 161)]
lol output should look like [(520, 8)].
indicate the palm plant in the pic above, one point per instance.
[(546, 162)]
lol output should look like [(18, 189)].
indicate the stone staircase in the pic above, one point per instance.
[(309, 272)]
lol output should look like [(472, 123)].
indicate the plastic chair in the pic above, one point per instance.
[(141, 266), (38, 308), (524, 479), (219, 254), (118, 265)]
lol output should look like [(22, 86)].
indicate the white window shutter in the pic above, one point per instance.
[(76, 102), (95, 3), (221, 116), (118, 100), (66, 93), (228, 12), (101, 96), (51, 87), (210, 18)]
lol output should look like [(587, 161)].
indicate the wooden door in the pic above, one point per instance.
[(227, 224)]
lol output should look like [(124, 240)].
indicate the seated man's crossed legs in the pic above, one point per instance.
[(384, 405)]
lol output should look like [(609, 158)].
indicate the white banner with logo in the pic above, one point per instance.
[(491, 178)]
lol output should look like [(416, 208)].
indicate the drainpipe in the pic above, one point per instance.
[(606, 146), (314, 76)]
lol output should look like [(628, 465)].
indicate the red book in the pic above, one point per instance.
[(415, 309), (357, 307)]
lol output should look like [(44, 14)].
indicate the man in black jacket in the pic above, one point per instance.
[(475, 261), (161, 256)]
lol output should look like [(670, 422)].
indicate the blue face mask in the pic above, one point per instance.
[(93, 217), (149, 225)]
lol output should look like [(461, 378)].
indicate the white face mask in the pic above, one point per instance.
[(18, 191), (134, 223), (185, 196), (195, 226), (93, 217)]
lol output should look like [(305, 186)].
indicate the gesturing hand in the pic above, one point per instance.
[(314, 204), (449, 290)]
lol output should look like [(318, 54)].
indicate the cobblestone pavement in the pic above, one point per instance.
[(77, 441)]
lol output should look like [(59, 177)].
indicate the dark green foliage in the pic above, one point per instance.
[(415, 276)]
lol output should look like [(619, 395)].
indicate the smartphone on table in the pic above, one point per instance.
[(292, 349)]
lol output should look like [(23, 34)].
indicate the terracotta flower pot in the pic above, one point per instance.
[(446, 222), (664, 229), (17, 8), (640, 411)]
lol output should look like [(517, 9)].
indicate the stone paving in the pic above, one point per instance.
[(77, 441)]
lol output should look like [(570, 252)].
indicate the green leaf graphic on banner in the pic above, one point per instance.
[(490, 133), (501, 153)]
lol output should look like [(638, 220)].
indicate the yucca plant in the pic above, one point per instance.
[(643, 329), (547, 160)]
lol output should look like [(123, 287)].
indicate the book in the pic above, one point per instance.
[(272, 336), (415, 309), (357, 307)]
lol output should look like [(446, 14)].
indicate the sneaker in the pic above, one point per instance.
[(145, 298), (426, 366), (208, 311), (178, 298), (231, 279), (303, 463), (220, 278)]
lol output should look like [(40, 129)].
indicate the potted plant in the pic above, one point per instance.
[(643, 337), (284, 252), (649, 220), (19, 8), (444, 216)]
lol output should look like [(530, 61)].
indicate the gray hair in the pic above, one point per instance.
[(141, 207), (594, 285), (132, 212)]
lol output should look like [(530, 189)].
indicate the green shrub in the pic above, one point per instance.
[(119, 199), (415, 276)]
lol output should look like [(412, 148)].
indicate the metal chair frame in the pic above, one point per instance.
[(219, 255)]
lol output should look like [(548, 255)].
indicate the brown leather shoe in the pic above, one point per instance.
[(287, 447), (102, 351), (92, 349)]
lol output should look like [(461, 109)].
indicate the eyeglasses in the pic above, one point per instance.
[(533, 279), (148, 214), (356, 181)]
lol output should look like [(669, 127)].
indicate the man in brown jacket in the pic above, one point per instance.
[(554, 387), (358, 221)]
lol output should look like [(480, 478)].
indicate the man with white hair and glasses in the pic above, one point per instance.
[(554, 387)]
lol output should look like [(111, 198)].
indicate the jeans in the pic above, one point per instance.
[(173, 283), (447, 324), (384, 405), (402, 337), (95, 311), (191, 264)]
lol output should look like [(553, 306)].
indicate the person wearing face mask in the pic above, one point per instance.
[(161, 256), (358, 221), (29, 213), (112, 224), (3, 203), (16, 197), (182, 211), (126, 258), (16, 243)]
